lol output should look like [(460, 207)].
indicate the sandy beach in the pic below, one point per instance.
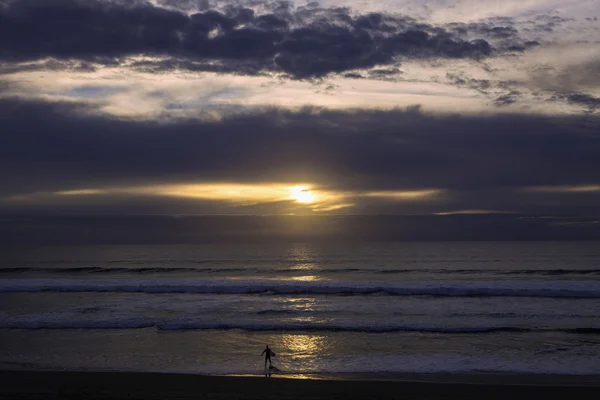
[(121, 385)]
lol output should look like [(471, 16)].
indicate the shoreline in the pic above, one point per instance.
[(466, 378), (26, 384)]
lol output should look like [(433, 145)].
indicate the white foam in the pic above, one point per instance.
[(560, 289), (58, 321)]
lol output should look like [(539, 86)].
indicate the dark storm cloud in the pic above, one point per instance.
[(67, 146), (509, 94), (590, 101), (243, 67), (485, 29), (503, 32), (481, 85), (186, 5), (384, 73), (303, 42), (120, 229), (507, 99)]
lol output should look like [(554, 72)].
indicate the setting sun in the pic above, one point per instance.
[(301, 194)]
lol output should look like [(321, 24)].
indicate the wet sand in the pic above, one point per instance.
[(58, 385)]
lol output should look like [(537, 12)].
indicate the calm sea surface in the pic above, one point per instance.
[(361, 308)]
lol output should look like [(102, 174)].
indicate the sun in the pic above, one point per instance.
[(302, 194)]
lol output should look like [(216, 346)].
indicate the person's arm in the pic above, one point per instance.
[(263, 352)]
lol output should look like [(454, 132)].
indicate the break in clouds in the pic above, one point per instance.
[(411, 108), (516, 163)]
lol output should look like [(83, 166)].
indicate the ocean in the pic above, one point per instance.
[(324, 308)]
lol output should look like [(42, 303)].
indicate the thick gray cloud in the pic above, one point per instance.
[(504, 93), (589, 102), (585, 99), (507, 99), (483, 161), (304, 42), (322, 229)]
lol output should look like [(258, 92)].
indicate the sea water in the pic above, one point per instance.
[(529, 307)]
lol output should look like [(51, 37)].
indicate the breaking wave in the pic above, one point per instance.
[(30, 323), (554, 289)]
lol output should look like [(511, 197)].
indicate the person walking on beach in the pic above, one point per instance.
[(268, 353)]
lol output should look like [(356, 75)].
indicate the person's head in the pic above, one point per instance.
[(267, 346)]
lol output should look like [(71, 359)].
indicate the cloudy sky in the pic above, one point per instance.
[(177, 107)]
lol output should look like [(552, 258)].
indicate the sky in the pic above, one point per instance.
[(252, 107)]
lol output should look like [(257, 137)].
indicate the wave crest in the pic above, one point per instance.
[(34, 323), (554, 289)]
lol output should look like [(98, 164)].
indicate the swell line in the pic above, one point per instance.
[(187, 324), (553, 289), (93, 270)]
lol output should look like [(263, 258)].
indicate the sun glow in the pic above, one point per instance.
[(302, 194), (289, 198)]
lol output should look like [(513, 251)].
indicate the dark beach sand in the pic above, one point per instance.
[(122, 385)]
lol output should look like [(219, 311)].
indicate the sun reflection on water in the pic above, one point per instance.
[(304, 266), (303, 350), (304, 346), (301, 303), (306, 278), (304, 257)]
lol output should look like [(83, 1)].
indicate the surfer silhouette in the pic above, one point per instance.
[(268, 353)]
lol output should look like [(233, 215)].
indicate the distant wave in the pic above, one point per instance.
[(34, 323), (115, 270), (279, 312), (266, 270), (553, 289), (559, 271)]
